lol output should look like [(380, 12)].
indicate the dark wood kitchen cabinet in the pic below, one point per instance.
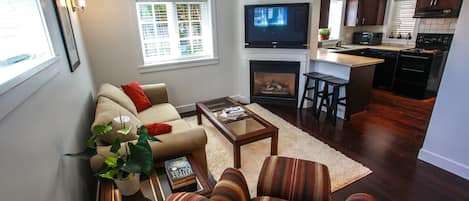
[(365, 12), (437, 8)]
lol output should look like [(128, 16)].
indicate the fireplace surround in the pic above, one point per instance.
[(274, 82)]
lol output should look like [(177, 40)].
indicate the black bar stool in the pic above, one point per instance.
[(316, 78), (336, 84)]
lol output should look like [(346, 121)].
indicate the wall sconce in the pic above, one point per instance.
[(78, 5)]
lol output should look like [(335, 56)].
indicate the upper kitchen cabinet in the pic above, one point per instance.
[(365, 12), (437, 8)]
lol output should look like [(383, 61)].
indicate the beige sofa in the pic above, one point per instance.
[(183, 139)]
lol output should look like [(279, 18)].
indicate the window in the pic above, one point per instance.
[(174, 30), (403, 22), (24, 38), (335, 18)]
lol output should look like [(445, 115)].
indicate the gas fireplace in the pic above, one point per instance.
[(274, 82)]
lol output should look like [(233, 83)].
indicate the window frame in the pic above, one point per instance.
[(35, 66), (389, 27), (182, 62), (17, 90)]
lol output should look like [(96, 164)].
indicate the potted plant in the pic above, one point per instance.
[(324, 34), (123, 166)]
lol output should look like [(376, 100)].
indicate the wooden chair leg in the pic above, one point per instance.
[(324, 97), (305, 91), (347, 108), (315, 98), (335, 103)]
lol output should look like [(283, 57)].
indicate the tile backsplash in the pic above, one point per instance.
[(440, 25), (426, 25), (346, 34)]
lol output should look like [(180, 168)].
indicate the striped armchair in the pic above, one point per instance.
[(281, 179)]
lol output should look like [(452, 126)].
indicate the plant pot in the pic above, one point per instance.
[(324, 37), (129, 185)]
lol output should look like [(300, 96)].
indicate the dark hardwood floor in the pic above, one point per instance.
[(386, 138)]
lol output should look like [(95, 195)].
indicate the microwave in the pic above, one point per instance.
[(367, 38)]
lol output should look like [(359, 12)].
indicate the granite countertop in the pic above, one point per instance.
[(378, 47), (325, 55)]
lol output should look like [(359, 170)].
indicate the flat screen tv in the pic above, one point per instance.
[(277, 26)]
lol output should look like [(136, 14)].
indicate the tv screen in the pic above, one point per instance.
[(277, 26)]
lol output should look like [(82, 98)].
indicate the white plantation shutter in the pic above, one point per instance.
[(174, 29), (403, 21)]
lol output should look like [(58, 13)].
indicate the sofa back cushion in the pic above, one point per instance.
[(118, 96), (106, 111)]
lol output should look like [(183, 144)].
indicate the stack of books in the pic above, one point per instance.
[(180, 174), (232, 113)]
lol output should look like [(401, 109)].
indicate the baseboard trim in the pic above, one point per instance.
[(444, 163)]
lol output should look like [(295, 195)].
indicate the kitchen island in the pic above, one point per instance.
[(357, 69)]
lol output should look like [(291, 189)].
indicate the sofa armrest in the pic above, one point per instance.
[(232, 186), (191, 141), (361, 197), (182, 142), (157, 93)]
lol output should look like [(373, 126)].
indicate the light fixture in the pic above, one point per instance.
[(78, 5)]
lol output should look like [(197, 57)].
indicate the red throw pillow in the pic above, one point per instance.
[(158, 129), (136, 94)]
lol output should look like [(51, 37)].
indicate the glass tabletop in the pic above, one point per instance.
[(218, 104), (243, 124)]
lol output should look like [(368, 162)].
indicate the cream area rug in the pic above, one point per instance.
[(292, 142)]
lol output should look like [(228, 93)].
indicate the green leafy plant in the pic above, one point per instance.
[(137, 158), (324, 32)]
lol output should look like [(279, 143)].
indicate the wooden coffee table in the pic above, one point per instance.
[(248, 128), (154, 188)]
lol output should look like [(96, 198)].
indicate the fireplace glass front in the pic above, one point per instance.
[(274, 82)]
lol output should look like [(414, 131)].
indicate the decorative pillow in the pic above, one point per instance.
[(117, 95), (106, 111), (158, 129), (137, 95)]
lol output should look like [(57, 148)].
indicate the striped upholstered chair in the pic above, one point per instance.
[(281, 179)]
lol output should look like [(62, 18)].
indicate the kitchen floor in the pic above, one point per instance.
[(386, 138)]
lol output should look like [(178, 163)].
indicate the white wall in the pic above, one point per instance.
[(53, 121), (447, 140), (112, 38)]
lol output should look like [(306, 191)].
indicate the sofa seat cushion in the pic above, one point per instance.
[(117, 95), (178, 125), (106, 111), (158, 113)]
